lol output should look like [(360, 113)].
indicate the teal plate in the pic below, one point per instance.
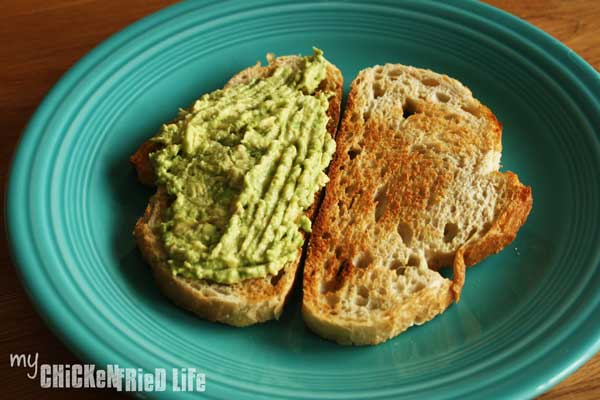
[(529, 316)]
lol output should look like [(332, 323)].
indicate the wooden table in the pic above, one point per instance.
[(41, 39)]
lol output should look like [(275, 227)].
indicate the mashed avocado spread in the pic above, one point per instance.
[(242, 165)]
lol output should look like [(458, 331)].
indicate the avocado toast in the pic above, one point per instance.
[(414, 186), (237, 175)]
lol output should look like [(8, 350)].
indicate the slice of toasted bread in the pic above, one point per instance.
[(414, 186), (247, 302)]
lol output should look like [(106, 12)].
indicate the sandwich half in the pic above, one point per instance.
[(225, 241), (414, 186)]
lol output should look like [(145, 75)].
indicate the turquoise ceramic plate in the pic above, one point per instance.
[(529, 316)]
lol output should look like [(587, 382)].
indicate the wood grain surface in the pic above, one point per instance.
[(41, 39)]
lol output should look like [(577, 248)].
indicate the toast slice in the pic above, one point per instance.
[(249, 301), (414, 186)]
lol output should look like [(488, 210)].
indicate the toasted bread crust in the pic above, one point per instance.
[(141, 161), (427, 304), (504, 229), (244, 303), (341, 258)]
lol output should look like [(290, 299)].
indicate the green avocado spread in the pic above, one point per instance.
[(241, 166)]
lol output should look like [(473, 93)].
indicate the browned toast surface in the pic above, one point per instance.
[(414, 186)]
